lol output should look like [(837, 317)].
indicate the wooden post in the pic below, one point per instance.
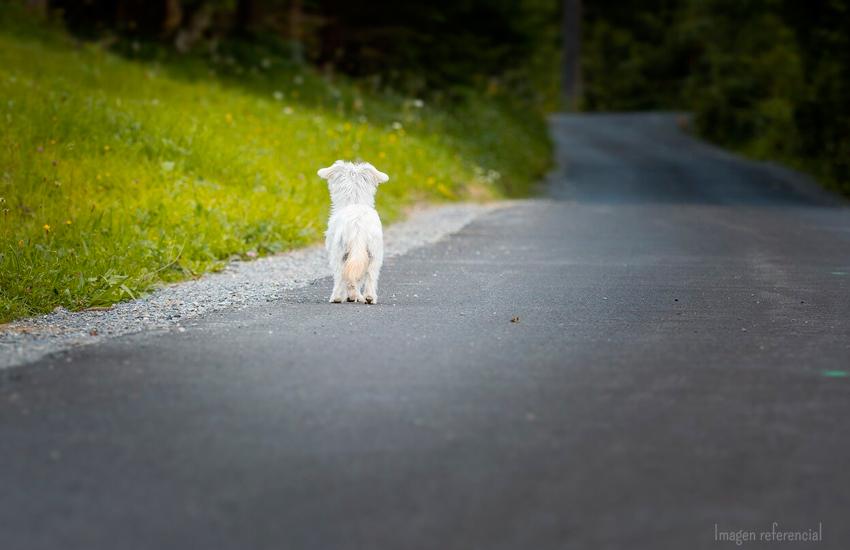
[(38, 7), (295, 31), (173, 16), (571, 66)]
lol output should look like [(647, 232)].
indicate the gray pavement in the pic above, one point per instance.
[(677, 369)]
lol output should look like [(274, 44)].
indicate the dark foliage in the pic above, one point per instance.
[(419, 48), (768, 77)]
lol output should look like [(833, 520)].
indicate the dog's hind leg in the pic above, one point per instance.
[(370, 284), (338, 294), (355, 262)]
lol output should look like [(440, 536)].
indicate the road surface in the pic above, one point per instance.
[(677, 369)]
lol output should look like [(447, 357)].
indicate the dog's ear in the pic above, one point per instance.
[(326, 173), (377, 175)]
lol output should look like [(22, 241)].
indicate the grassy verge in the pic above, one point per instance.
[(118, 174)]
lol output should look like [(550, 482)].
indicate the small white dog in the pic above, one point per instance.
[(354, 240)]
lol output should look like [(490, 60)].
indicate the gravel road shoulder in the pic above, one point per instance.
[(238, 286)]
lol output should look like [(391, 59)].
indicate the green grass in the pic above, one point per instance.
[(117, 175)]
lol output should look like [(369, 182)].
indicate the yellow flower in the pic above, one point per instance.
[(52, 142), (381, 155), (21, 243), (67, 222), (445, 191), (46, 228), (106, 147), (229, 118)]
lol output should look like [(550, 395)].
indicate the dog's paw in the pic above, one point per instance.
[(350, 299), (371, 299), (335, 300)]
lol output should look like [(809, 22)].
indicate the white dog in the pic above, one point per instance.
[(354, 240)]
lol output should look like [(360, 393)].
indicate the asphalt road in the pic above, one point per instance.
[(675, 371)]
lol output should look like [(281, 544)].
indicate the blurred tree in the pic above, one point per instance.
[(633, 58), (749, 76), (768, 77), (822, 113), (418, 47), (443, 43)]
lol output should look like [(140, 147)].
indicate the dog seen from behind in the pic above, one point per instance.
[(355, 239)]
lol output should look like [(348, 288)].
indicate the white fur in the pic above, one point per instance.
[(354, 239)]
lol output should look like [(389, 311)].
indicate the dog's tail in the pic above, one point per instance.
[(356, 260)]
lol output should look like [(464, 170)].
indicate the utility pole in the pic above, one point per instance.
[(571, 66)]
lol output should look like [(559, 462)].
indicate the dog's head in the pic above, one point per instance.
[(352, 182)]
